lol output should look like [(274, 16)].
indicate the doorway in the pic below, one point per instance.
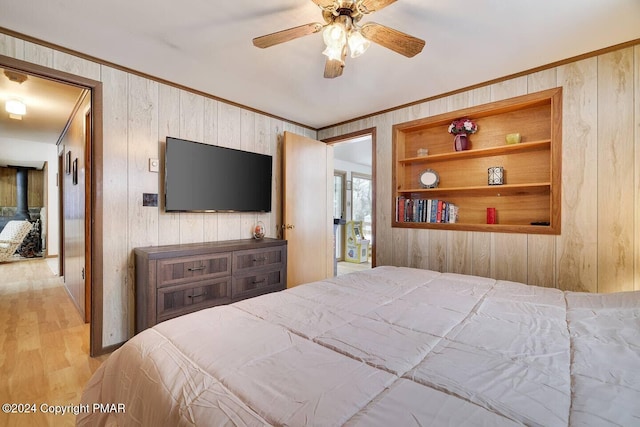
[(354, 201), (91, 267)]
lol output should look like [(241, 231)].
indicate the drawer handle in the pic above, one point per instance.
[(202, 267), (255, 282), (264, 258), (196, 296)]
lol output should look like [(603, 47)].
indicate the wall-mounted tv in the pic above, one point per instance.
[(209, 178)]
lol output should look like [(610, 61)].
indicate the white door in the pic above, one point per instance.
[(307, 209)]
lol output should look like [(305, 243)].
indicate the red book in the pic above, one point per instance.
[(439, 212)]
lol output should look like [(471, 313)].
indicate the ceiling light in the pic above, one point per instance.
[(15, 106), (335, 35), (334, 53), (15, 77), (357, 44)]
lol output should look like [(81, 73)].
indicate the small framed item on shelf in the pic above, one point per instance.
[(429, 179), (496, 175)]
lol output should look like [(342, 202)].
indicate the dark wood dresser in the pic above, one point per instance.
[(177, 279)]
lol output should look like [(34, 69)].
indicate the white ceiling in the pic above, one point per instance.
[(206, 46), (49, 107), (357, 150)]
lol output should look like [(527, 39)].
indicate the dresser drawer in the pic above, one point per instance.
[(248, 260), (180, 299), (173, 280), (246, 286), (188, 269)]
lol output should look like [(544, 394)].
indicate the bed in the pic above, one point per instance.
[(390, 346)]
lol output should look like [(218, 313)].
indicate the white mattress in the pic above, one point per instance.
[(388, 346)]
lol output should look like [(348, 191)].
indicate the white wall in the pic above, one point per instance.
[(18, 151)]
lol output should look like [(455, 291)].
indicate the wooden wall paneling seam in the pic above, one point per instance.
[(438, 249), (192, 129), (168, 125), (419, 249), (401, 249), (541, 256), (262, 144), (576, 248), (460, 253), (541, 265), (482, 255), (248, 143), (229, 135), (210, 136), (384, 233), (615, 170), (142, 137)]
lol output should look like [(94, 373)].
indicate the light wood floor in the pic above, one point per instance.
[(349, 267), (44, 344)]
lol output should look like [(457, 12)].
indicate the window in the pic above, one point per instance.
[(361, 202)]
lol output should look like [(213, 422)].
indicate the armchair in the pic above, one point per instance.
[(11, 237)]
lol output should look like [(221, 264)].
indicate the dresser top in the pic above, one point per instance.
[(172, 251)]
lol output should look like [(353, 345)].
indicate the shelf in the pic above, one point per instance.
[(482, 152), (481, 191), (492, 228), (532, 168)]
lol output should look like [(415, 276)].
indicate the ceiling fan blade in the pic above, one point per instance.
[(323, 3), (374, 5), (286, 35), (397, 41), (333, 68)]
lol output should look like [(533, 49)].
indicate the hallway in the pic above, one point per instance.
[(44, 343)]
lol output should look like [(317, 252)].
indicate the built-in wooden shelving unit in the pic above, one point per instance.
[(532, 168)]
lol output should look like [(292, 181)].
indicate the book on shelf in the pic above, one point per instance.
[(425, 210)]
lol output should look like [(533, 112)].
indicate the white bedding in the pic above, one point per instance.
[(389, 347)]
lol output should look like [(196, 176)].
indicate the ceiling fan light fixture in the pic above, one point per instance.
[(333, 52), (342, 33), (16, 107), (357, 44), (335, 35)]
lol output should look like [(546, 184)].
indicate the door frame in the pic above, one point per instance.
[(93, 200), (339, 242), (352, 135)]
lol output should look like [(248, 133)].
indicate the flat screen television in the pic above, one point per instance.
[(209, 178)]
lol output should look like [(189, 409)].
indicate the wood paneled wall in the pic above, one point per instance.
[(138, 114), (599, 248), (74, 207), (8, 187)]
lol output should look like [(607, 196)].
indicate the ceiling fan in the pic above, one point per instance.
[(342, 33)]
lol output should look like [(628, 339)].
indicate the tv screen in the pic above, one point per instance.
[(208, 178)]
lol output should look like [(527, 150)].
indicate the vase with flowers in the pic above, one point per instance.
[(461, 129)]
